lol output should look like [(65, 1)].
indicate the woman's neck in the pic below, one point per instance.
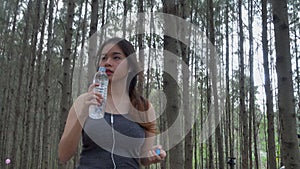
[(117, 89), (118, 100)]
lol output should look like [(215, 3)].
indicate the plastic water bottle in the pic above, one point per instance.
[(95, 111)]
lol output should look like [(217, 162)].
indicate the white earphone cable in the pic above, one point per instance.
[(114, 141)]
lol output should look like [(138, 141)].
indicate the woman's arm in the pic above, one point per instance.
[(71, 136), (148, 154), (152, 157), (72, 133)]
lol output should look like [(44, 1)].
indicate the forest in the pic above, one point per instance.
[(222, 75)]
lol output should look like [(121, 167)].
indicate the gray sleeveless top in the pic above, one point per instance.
[(104, 145)]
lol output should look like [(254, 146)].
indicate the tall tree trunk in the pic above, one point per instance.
[(11, 117), (28, 115), (185, 34), (44, 123), (19, 116), (194, 104), (92, 53), (268, 91), (126, 8), (243, 114), (201, 148), (170, 88), (228, 129), (214, 82), (81, 27), (103, 19), (234, 98), (195, 109), (209, 152), (252, 95), (297, 57), (140, 27), (290, 153), (66, 79), (81, 54), (37, 106)]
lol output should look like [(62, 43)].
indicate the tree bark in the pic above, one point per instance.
[(243, 114), (171, 90), (19, 118), (268, 91), (66, 79), (10, 116), (140, 27), (251, 90), (290, 153), (228, 129), (92, 53), (214, 77), (37, 105)]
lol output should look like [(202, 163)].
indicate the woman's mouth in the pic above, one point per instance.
[(109, 72)]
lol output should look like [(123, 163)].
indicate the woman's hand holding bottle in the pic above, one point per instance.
[(83, 102)]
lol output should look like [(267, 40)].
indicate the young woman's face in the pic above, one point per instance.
[(114, 60)]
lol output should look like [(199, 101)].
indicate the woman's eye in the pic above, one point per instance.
[(117, 57), (103, 58)]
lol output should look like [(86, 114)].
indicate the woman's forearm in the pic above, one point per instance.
[(70, 138)]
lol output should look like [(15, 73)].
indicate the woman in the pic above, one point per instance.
[(124, 137)]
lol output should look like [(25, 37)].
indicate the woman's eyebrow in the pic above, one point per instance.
[(114, 53)]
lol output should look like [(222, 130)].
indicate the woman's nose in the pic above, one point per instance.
[(108, 62)]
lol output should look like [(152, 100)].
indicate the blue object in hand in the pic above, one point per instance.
[(157, 151)]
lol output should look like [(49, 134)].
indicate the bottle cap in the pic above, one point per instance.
[(101, 69), (157, 151)]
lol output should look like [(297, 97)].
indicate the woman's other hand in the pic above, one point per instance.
[(155, 155)]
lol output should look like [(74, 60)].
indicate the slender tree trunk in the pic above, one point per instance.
[(298, 85), (228, 128), (66, 84), (235, 129), (82, 25), (171, 89), (19, 116), (10, 132), (37, 108), (252, 95), (194, 102), (201, 148), (243, 113), (184, 33), (209, 151), (81, 54), (151, 43), (296, 55), (172, 108), (103, 19), (140, 27), (195, 109), (44, 123), (27, 150), (210, 154), (290, 153), (256, 143), (268, 91), (126, 8), (92, 53), (214, 75), (203, 95)]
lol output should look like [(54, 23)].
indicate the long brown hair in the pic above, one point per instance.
[(139, 103)]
